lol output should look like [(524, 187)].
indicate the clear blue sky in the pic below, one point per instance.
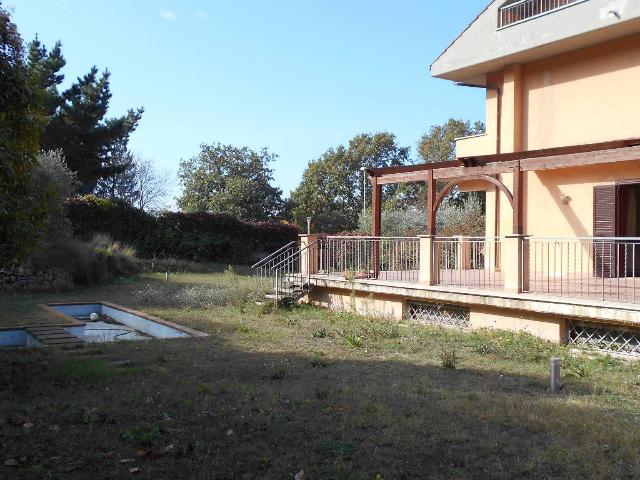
[(295, 76)]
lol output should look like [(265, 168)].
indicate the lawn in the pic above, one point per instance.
[(270, 393)]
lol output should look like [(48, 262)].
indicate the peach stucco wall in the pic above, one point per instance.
[(542, 326), (557, 202), (586, 96), (560, 202)]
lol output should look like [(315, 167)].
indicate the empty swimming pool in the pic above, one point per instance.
[(108, 322)]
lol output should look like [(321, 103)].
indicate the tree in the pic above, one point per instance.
[(150, 184), (135, 181), (21, 212), (44, 74), (121, 184), (228, 179), (438, 145), (331, 187), (76, 119)]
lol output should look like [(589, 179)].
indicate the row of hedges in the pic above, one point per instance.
[(192, 236)]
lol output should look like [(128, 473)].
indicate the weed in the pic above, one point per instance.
[(321, 333), (517, 346), (372, 408), (204, 389), (267, 308), (449, 357), (290, 320), (354, 340), (579, 368), (472, 397), (318, 360), (246, 330), (279, 374), (145, 435), (89, 416), (339, 447)]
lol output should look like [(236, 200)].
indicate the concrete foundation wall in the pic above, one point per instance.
[(393, 307), (387, 306), (550, 328)]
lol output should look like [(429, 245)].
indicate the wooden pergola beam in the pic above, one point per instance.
[(443, 171)]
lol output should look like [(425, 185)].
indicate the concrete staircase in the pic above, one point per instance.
[(53, 335)]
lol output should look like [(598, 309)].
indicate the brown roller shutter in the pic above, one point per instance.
[(604, 225)]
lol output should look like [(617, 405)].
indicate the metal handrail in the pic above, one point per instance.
[(366, 237), (290, 258), (564, 239), (270, 256), (463, 237)]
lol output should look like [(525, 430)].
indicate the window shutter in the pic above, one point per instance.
[(604, 225)]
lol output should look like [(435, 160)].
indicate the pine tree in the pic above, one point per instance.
[(75, 119), (44, 74), (121, 184)]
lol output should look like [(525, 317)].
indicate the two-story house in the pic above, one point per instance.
[(560, 165)]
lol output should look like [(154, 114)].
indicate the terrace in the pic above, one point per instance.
[(594, 277)]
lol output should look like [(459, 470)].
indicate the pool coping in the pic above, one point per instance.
[(76, 323)]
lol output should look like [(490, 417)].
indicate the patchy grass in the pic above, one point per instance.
[(275, 391), (91, 368)]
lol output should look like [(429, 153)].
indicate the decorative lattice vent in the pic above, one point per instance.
[(438, 314), (604, 338)]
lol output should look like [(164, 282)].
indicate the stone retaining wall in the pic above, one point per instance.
[(24, 279)]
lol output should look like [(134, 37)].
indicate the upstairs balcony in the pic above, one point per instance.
[(523, 10)]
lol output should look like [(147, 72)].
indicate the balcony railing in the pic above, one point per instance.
[(468, 262), (382, 258), (594, 268), (527, 9)]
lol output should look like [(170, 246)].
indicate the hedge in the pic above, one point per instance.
[(191, 236)]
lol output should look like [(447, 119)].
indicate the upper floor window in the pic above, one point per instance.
[(515, 11)]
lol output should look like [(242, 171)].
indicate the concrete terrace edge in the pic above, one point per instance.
[(623, 314)]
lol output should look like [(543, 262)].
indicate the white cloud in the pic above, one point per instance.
[(168, 15), (202, 15)]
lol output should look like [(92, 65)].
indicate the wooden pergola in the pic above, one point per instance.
[(488, 167)]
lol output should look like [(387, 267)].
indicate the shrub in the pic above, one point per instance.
[(190, 236), (86, 263)]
